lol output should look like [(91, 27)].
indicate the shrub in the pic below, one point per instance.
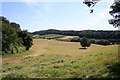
[(85, 42), (75, 39), (102, 42)]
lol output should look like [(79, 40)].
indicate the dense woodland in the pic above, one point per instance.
[(14, 40), (112, 36)]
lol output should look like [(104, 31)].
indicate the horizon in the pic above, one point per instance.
[(73, 30), (35, 16)]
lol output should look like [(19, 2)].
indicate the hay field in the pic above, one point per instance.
[(50, 58)]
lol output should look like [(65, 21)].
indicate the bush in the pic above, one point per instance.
[(92, 41), (102, 42), (85, 42), (75, 39)]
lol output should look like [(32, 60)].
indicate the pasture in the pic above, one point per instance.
[(51, 59)]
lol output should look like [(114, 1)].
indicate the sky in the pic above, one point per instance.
[(35, 15)]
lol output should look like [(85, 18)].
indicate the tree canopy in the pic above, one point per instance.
[(115, 12), (13, 37), (85, 42)]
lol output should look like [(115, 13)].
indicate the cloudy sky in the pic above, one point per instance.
[(35, 15)]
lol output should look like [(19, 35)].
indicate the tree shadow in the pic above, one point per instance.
[(82, 48), (114, 70)]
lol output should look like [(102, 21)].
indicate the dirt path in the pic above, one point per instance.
[(37, 49)]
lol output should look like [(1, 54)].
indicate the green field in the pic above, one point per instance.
[(55, 37), (48, 36), (50, 58)]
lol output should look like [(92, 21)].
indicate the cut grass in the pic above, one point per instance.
[(51, 36), (69, 37), (63, 60)]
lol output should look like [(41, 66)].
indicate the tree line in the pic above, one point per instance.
[(14, 40), (112, 36)]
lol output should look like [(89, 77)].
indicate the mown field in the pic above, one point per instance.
[(51, 58)]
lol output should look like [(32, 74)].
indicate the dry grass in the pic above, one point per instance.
[(37, 49), (50, 58), (68, 37)]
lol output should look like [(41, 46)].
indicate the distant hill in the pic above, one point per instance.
[(96, 34)]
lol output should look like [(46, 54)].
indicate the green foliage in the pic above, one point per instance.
[(115, 12), (102, 42), (26, 37), (114, 70), (11, 39), (95, 34), (16, 26), (75, 39), (9, 36), (85, 42)]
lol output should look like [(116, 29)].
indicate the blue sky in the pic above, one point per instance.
[(36, 15)]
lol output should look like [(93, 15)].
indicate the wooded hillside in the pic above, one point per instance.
[(113, 36)]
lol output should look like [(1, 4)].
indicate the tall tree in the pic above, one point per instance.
[(13, 37), (9, 36), (26, 37)]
